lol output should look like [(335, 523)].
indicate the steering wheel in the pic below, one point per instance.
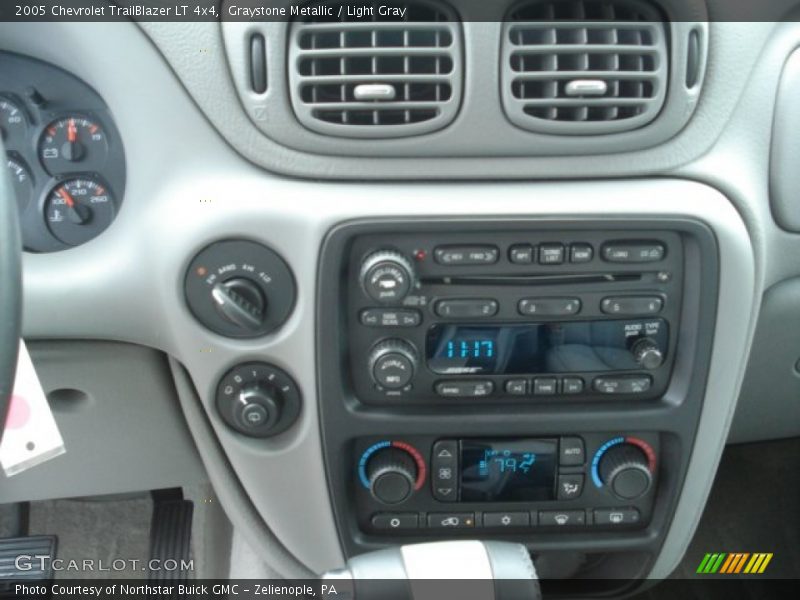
[(10, 288)]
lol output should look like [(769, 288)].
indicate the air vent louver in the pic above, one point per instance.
[(379, 76), (584, 66)]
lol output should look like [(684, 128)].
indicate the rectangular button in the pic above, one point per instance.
[(551, 254), (466, 255), (545, 386), (571, 385), (451, 520), (521, 254), (444, 470), (464, 389), (506, 519), (516, 387), (622, 385), (467, 308), (562, 518), (616, 516), (382, 317), (571, 452), (395, 521), (633, 252), (580, 253), (570, 486), (549, 307), (632, 305)]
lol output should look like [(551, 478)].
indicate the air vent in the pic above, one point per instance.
[(584, 67), (376, 75)]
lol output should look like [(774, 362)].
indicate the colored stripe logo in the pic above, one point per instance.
[(734, 562)]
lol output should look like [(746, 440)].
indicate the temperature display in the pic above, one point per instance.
[(508, 470)]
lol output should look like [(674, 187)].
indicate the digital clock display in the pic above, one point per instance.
[(508, 470), (530, 348)]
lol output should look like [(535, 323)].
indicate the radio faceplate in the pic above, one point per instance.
[(546, 315)]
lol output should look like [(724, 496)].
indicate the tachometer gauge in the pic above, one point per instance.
[(72, 144), (13, 123), (78, 210), (21, 182)]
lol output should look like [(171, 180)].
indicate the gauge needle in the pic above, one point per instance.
[(67, 198), (72, 132), (78, 213)]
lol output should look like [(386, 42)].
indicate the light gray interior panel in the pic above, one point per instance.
[(117, 411), (199, 184), (769, 405)]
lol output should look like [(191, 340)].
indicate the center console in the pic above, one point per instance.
[(536, 381)]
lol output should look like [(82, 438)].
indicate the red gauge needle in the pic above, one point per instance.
[(67, 198), (72, 132)]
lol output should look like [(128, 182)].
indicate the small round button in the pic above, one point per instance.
[(254, 415)]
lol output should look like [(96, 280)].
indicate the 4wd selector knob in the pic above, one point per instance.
[(392, 364), (387, 276), (392, 473), (625, 469)]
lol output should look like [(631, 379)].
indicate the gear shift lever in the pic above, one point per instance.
[(468, 570)]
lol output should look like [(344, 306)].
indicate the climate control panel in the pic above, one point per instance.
[(505, 484)]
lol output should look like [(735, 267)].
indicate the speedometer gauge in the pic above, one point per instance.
[(78, 210), (13, 123)]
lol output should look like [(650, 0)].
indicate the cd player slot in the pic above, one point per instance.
[(550, 279)]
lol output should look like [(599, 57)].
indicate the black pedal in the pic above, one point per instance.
[(170, 537), (26, 560)]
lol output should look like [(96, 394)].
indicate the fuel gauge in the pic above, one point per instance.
[(79, 209), (73, 144), (20, 181)]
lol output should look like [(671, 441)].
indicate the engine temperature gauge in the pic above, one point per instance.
[(72, 144), (78, 210)]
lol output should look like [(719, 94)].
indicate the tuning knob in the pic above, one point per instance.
[(392, 473), (624, 468), (392, 364), (647, 353), (241, 302), (387, 276)]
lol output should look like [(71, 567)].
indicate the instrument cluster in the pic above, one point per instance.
[(63, 152)]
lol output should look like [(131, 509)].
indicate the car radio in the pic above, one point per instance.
[(518, 316)]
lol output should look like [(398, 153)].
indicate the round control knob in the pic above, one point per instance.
[(257, 407), (392, 364), (241, 302), (647, 353), (258, 399), (392, 473), (387, 276), (624, 468)]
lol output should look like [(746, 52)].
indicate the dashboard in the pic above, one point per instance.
[(537, 315)]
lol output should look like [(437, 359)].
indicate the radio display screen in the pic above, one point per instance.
[(508, 470), (560, 347)]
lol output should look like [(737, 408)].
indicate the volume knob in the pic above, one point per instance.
[(387, 276), (392, 364), (392, 473)]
